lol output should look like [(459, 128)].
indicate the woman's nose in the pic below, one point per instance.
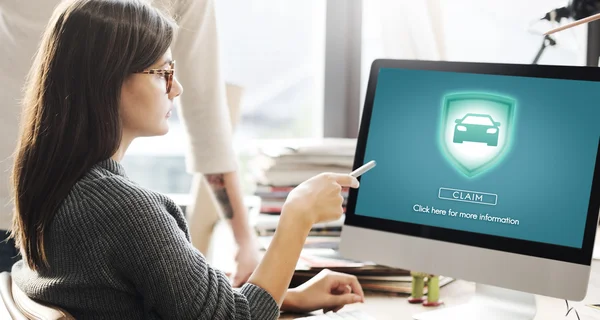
[(176, 89)]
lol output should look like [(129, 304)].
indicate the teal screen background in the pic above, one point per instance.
[(544, 180)]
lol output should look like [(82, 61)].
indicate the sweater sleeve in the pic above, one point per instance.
[(150, 249)]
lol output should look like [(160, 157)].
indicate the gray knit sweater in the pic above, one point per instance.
[(119, 251)]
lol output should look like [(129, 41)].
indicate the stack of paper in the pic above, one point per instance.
[(281, 165)]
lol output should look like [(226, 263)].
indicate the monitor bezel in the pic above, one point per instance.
[(582, 255)]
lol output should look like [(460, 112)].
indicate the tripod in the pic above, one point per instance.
[(548, 41)]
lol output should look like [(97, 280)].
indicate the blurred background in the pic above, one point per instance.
[(304, 64)]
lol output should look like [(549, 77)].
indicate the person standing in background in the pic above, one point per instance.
[(205, 115), (203, 109)]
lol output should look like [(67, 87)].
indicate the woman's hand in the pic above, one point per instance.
[(319, 199), (328, 290)]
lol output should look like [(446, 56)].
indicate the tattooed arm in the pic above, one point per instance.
[(227, 189), (222, 190)]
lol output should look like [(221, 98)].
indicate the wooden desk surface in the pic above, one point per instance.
[(457, 292)]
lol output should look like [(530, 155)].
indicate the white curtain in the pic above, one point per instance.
[(411, 29)]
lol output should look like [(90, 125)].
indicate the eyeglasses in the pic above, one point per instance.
[(167, 73)]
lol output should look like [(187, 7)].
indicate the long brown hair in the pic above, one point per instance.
[(71, 105)]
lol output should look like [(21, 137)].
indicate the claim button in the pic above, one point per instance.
[(490, 199)]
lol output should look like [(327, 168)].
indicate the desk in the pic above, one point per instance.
[(458, 292)]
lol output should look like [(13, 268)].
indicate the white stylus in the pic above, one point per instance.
[(364, 168)]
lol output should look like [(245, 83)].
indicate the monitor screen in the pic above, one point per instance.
[(509, 156)]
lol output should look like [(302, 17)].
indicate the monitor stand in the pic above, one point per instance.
[(490, 303)]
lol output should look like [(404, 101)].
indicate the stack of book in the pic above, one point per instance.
[(265, 225), (273, 197), (281, 165)]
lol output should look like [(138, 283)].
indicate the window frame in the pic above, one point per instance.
[(343, 48)]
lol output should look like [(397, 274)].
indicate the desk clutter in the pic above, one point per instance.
[(279, 166), (320, 252)]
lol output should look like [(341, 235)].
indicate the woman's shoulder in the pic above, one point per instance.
[(112, 192), (104, 200)]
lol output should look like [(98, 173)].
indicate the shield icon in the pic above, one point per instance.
[(476, 130)]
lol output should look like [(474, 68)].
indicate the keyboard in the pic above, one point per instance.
[(341, 315)]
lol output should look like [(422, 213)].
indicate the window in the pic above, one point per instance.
[(274, 50)]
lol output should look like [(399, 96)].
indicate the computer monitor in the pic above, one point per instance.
[(485, 172)]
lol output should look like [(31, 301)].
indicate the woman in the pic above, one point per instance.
[(97, 244)]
